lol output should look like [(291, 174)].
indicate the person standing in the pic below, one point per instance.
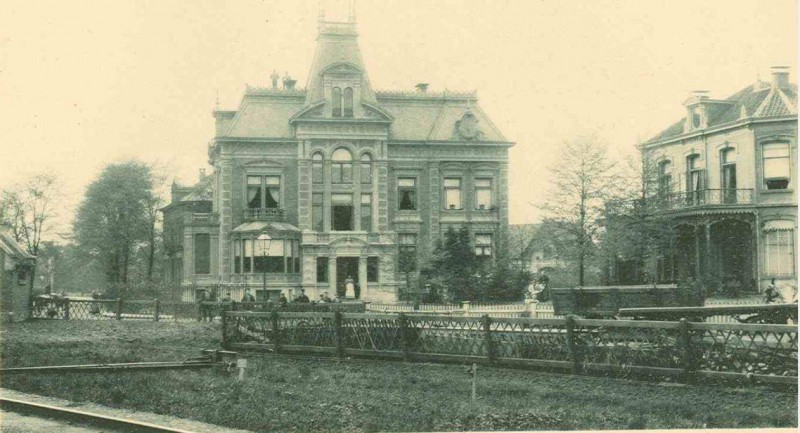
[(248, 297), (772, 294)]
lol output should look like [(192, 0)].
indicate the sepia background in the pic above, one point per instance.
[(86, 83)]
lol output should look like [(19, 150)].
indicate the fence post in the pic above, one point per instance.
[(337, 329), (66, 308), (686, 343), (403, 331), (487, 337), (276, 335), (157, 310), (119, 308), (465, 307), (571, 344)]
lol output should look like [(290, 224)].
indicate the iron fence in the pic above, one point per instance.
[(683, 350)]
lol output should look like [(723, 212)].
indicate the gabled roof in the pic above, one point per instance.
[(14, 249), (758, 101)]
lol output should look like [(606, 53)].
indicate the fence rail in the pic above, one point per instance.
[(160, 311), (682, 349)]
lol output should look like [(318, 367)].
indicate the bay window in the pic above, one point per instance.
[(276, 256)]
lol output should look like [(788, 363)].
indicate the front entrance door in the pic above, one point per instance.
[(346, 267)]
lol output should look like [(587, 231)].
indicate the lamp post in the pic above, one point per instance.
[(266, 241)]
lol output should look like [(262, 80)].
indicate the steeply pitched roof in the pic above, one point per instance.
[(757, 101), (14, 249)]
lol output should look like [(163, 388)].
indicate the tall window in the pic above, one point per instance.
[(337, 102), (366, 212), (664, 178), (202, 253), (317, 212), (483, 193), (263, 192), (348, 102), (407, 246), (483, 245), (727, 159), (407, 193), (372, 269), (777, 166), (237, 256), (292, 256), (322, 269), (452, 193), (316, 168), (341, 166), (366, 168), (694, 181), (247, 257), (342, 212), (779, 252)]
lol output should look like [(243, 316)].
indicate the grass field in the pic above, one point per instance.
[(317, 394)]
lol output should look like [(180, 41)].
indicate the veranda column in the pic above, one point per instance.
[(332, 275), (709, 255), (362, 276)]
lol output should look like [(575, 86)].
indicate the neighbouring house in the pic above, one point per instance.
[(16, 281), (318, 186), (726, 187)]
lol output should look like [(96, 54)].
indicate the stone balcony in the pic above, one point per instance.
[(201, 219), (316, 238), (269, 214)]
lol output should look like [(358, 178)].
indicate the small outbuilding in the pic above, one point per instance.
[(16, 281)]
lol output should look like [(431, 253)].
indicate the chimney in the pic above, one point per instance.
[(700, 94), (780, 76), (274, 78), (288, 82), (422, 87), (202, 173)]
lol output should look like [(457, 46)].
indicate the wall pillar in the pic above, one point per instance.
[(332, 275), (362, 276)]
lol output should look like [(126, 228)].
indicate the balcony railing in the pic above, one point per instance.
[(704, 197), (201, 219), (684, 200), (269, 214)]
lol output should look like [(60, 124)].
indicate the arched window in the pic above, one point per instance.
[(695, 181), (316, 168), (664, 179), (337, 102), (727, 158), (366, 168), (341, 166), (348, 102)]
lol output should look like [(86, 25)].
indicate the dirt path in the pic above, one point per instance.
[(16, 423)]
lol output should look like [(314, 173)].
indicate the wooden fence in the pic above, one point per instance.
[(682, 350)]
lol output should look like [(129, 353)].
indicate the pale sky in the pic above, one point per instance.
[(83, 84)]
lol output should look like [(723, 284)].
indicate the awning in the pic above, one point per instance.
[(275, 229), (775, 225)]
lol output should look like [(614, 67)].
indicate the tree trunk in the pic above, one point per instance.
[(151, 254)]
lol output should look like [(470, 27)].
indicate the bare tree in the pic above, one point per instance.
[(581, 180), (27, 210)]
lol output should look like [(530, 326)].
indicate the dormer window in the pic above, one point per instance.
[(348, 102), (696, 119), (337, 102)]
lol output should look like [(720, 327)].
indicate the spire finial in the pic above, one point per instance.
[(352, 11), (321, 11), (216, 104)]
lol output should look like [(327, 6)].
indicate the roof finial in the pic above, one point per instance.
[(216, 104), (321, 11)]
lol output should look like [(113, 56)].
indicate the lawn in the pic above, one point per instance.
[(317, 394)]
